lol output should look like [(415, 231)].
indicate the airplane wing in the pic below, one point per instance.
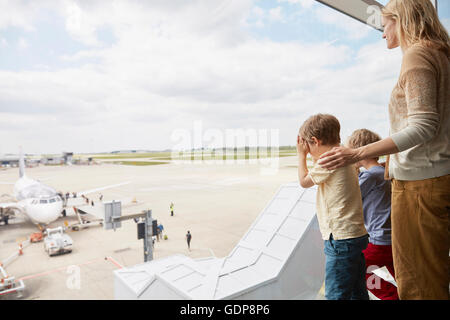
[(12, 205), (9, 209)]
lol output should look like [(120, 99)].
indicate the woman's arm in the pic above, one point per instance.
[(419, 83), (343, 156)]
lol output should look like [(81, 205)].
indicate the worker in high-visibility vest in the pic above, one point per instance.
[(171, 209)]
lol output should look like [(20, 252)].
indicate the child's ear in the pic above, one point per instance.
[(315, 141)]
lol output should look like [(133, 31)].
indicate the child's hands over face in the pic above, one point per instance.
[(302, 146)]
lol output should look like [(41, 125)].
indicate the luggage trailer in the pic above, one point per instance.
[(9, 285)]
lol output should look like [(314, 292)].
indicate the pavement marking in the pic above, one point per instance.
[(65, 268), (114, 262), (122, 250)]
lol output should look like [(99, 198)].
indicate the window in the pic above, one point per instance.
[(43, 201), (443, 7)]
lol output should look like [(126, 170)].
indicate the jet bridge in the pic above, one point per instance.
[(279, 257)]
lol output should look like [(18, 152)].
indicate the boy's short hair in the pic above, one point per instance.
[(362, 137), (325, 127)]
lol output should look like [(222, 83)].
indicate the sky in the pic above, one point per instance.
[(98, 76)]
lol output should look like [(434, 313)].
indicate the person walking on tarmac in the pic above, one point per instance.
[(160, 228), (171, 209), (188, 239)]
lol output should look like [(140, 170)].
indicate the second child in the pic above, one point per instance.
[(376, 197)]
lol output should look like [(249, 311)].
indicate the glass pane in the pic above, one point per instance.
[(444, 13), (259, 64)]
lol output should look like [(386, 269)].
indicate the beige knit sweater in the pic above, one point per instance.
[(419, 113)]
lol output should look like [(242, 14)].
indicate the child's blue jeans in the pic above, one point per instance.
[(345, 269)]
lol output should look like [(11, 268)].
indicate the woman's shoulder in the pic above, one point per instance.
[(420, 57), (420, 54), (417, 55)]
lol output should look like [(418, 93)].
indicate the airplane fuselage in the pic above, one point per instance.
[(43, 211), (41, 203)]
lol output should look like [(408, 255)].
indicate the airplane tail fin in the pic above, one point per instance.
[(21, 163)]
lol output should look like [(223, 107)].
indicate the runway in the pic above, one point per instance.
[(216, 202)]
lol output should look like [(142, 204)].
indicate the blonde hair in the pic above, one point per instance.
[(324, 127), (418, 22), (362, 137)]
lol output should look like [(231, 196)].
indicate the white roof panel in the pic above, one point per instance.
[(260, 256), (137, 281), (177, 272), (292, 192), (281, 246), (190, 281), (267, 221), (293, 228), (248, 276), (267, 265), (227, 285), (280, 205), (309, 195), (256, 237), (303, 210)]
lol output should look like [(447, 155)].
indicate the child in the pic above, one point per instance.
[(376, 197), (339, 210)]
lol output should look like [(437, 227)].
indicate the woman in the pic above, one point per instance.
[(419, 113)]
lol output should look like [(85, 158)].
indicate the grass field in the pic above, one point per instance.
[(139, 163), (158, 158), (207, 155), (125, 155)]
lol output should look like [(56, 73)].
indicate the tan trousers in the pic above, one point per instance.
[(420, 237)]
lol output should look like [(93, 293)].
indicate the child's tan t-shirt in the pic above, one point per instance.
[(338, 203)]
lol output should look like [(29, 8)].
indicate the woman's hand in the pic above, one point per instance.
[(342, 156), (338, 157), (302, 146)]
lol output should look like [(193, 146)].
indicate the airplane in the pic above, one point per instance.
[(37, 201)]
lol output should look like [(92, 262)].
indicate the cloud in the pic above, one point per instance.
[(79, 26), (303, 3), (350, 28), (276, 14), (17, 13), (22, 43), (446, 23), (174, 62)]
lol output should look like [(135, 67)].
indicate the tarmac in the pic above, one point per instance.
[(217, 202)]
